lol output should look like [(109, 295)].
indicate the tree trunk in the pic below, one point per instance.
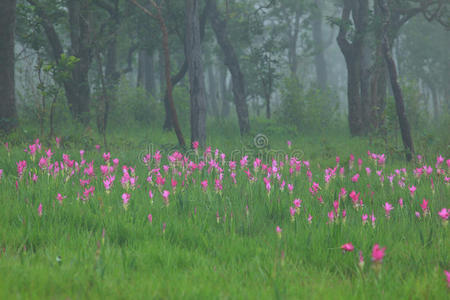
[(231, 61), (357, 85), (396, 90), (319, 57), (195, 67), (79, 89), (293, 38), (212, 91), (8, 112), (225, 111)]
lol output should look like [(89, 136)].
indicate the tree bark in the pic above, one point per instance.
[(195, 67), (319, 57), (396, 90), (353, 54), (79, 89), (232, 62), (8, 112), (212, 90)]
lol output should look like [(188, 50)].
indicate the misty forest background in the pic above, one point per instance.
[(178, 71)]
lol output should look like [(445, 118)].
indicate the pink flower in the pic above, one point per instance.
[(331, 216), (126, 199), (150, 194), (292, 212), (361, 260), (106, 156), (279, 230), (387, 208), (417, 214), (424, 206), (97, 147), (400, 202), (443, 213), (150, 218), (195, 145), (364, 218), (372, 218), (347, 247), (378, 253), (355, 178), (40, 210), (447, 274), (1, 174), (60, 198), (165, 195), (204, 184), (310, 219), (297, 203), (412, 190)]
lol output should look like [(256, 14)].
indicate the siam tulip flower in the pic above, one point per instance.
[(344, 216), (97, 147), (351, 161), (447, 275), (204, 185), (417, 214), (164, 228), (400, 202), (165, 195), (106, 157), (320, 199), (34, 178), (387, 209), (364, 218), (279, 230), (283, 183), (343, 194), (1, 174), (82, 154), (412, 190), (378, 253), (58, 140), (372, 218), (290, 188), (360, 162), (361, 260), (292, 213), (217, 217), (424, 206), (355, 178), (108, 182), (218, 185), (40, 210), (310, 219), (368, 171), (297, 203), (60, 198), (347, 247), (443, 213), (195, 145), (115, 162), (125, 198), (150, 218), (289, 143), (331, 217)]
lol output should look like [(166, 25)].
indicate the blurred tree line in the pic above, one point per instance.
[(101, 62)]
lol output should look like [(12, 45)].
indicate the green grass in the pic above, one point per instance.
[(197, 257)]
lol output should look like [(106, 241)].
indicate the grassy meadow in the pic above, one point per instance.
[(250, 218)]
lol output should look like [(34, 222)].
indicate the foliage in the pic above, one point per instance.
[(308, 109)]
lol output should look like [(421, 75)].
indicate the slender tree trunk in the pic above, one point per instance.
[(212, 91), (225, 111), (8, 112), (195, 67), (292, 50), (319, 57), (405, 129), (231, 61)]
